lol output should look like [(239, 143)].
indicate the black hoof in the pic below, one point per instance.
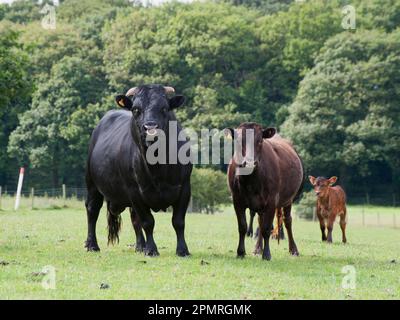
[(182, 252), (91, 246), (151, 252), (266, 257), (139, 248), (241, 254)]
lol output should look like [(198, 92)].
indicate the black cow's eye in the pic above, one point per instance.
[(135, 111)]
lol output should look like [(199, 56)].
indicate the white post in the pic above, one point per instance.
[(19, 188)]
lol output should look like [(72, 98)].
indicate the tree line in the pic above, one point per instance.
[(333, 91)]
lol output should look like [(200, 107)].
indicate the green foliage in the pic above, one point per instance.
[(305, 209), (346, 113), (209, 190), (15, 92), (286, 64)]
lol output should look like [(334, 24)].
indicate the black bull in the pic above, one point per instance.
[(118, 172)]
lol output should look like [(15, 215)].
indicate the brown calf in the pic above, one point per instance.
[(331, 202)]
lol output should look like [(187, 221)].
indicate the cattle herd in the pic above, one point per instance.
[(119, 173)]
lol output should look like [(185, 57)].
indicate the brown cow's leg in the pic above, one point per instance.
[(259, 244), (265, 230), (242, 226), (288, 224), (343, 226), (137, 226)]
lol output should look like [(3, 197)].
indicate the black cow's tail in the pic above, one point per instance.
[(114, 226)]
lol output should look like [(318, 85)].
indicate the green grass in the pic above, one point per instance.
[(32, 239)]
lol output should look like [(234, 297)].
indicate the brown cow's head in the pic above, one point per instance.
[(321, 185), (249, 139)]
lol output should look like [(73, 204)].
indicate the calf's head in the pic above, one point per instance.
[(321, 185), (249, 137), (151, 107)]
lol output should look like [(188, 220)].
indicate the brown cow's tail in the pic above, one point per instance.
[(114, 226)]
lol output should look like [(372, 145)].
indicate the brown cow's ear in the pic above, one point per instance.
[(332, 180), (123, 102), (268, 133), (229, 132), (312, 180)]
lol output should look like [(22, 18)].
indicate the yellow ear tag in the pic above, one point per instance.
[(121, 103)]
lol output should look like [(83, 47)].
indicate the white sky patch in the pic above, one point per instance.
[(154, 2)]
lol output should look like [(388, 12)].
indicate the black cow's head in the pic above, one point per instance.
[(151, 107), (249, 153)]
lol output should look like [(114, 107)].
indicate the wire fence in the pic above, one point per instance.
[(360, 212)]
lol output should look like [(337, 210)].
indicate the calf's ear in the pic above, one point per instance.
[(124, 102), (229, 132), (268, 133), (332, 180), (312, 180), (176, 102)]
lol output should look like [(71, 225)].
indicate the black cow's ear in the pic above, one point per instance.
[(268, 133), (124, 102), (176, 102)]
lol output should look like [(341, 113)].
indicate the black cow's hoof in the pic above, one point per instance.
[(266, 257), (139, 248), (241, 254), (151, 252), (182, 253), (294, 253), (91, 246)]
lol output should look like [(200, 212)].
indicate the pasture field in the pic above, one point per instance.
[(33, 239)]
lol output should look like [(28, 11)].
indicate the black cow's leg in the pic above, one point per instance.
[(178, 221), (147, 221), (288, 224), (265, 229), (250, 227), (137, 226), (93, 203), (242, 226)]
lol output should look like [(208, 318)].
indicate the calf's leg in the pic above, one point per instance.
[(94, 202), (250, 228), (343, 226), (178, 221), (288, 224), (259, 244), (137, 226), (331, 221), (322, 226)]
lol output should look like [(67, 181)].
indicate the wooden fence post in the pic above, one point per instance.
[(32, 198), (363, 217), (64, 194)]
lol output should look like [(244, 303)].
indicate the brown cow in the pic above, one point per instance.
[(276, 177), (331, 202)]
